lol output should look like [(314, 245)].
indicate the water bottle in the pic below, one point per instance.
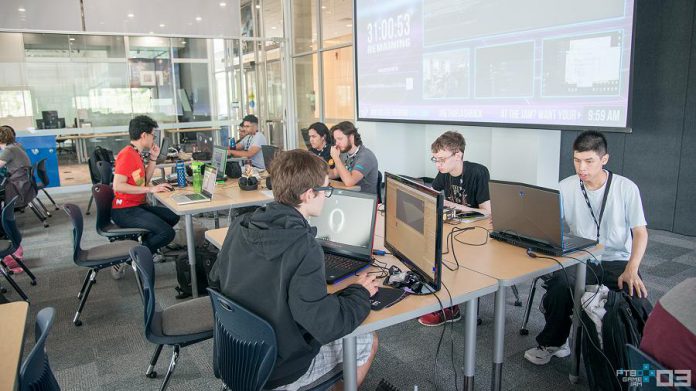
[(197, 177), (180, 173), (233, 143)]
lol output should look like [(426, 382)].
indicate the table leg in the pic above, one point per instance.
[(350, 364), (469, 344), (191, 248), (498, 339), (580, 274), (217, 219)]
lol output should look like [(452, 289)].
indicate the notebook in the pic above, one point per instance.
[(207, 190), (345, 231), (531, 217)]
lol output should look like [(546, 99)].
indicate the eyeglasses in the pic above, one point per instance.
[(328, 190), (442, 159)]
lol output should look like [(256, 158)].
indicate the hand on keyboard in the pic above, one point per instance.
[(368, 281), (160, 188)]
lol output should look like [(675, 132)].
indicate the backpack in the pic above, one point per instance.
[(622, 323), (206, 255), (233, 170), (99, 155)]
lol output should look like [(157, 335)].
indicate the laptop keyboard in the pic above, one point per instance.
[(196, 197), (337, 265)]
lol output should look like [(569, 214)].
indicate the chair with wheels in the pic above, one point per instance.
[(245, 348), (95, 258), (36, 373), (40, 171), (10, 245), (178, 326)]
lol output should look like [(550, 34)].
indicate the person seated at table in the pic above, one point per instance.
[(320, 142), (355, 163), (466, 188), (131, 179), (13, 157), (619, 226), (14, 173), (250, 144), (271, 264)]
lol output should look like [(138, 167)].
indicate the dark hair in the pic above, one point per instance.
[(139, 125), (347, 128), (449, 141), (7, 135), (323, 131), (295, 172), (11, 129), (591, 140)]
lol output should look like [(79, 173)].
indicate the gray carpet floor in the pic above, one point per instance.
[(109, 352)]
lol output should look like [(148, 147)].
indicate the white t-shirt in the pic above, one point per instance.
[(257, 139), (623, 211)]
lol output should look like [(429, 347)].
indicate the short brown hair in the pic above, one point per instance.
[(449, 141), (295, 172), (7, 136)]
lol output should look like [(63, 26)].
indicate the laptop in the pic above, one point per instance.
[(345, 231), (164, 150), (207, 189), (532, 217)]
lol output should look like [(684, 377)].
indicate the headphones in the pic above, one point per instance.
[(400, 280), (248, 183)]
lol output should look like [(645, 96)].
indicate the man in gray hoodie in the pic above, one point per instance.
[(271, 264)]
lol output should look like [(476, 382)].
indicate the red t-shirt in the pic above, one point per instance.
[(129, 164)]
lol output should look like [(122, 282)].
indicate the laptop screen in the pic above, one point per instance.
[(209, 178), (413, 227), (347, 223), (219, 160)]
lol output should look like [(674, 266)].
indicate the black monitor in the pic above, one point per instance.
[(50, 119), (413, 228)]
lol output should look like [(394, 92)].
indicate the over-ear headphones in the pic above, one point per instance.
[(248, 183)]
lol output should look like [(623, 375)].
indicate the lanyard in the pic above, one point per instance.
[(248, 142), (604, 201)]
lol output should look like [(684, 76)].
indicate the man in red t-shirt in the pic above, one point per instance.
[(131, 179)]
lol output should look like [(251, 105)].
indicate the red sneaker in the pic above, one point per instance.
[(452, 314)]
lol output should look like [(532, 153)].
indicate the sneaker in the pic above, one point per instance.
[(118, 271), (158, 258), (541, 355), (452, 314)]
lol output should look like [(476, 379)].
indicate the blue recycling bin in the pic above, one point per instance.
[(39, 147)]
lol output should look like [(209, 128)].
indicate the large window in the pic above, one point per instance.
[(323, 63)]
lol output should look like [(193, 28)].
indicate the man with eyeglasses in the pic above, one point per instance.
[(250, 144), (466, 189), (271, 263)]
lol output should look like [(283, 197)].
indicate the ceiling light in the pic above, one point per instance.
[(162, 25), (21, 9), (71, 39), (131, 15), (183, 42), (198, 18), (223, 4), (258, 6)]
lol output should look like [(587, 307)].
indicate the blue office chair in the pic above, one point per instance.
[(245, 349), (179, 325), (95, 258), (36, 373), (10, 245)]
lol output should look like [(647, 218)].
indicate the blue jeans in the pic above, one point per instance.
[(156, 219)]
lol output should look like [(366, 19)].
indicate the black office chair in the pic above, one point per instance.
[(178, 326), (36, 373), (95, 258), (106, 172), (245, 348), (9, 246), (103, 196), (41, 172)]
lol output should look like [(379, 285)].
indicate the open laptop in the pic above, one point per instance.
[(345, 231), (532, 217), (207, 189), (219, 161)]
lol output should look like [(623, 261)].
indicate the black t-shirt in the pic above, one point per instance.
[(472, 190), (324, 154)]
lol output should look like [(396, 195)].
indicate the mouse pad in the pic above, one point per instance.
[(386, 297)]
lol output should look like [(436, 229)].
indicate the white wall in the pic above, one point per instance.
[(521, 155)]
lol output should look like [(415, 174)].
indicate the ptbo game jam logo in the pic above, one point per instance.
[(661, 377)]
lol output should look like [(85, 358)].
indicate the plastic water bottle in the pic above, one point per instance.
[(180, 173), (233, 143)]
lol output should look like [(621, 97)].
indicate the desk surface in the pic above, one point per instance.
[(13, 319), (463, 284), (227, 195)]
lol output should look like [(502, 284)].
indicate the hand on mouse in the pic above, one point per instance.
[(160, 188), (369, 282)]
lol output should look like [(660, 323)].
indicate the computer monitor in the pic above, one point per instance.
[(219, 160), (413, 227)]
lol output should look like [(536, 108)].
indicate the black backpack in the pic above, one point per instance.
[(623, 323), (206, 255), (233, 170), (98, 155)]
